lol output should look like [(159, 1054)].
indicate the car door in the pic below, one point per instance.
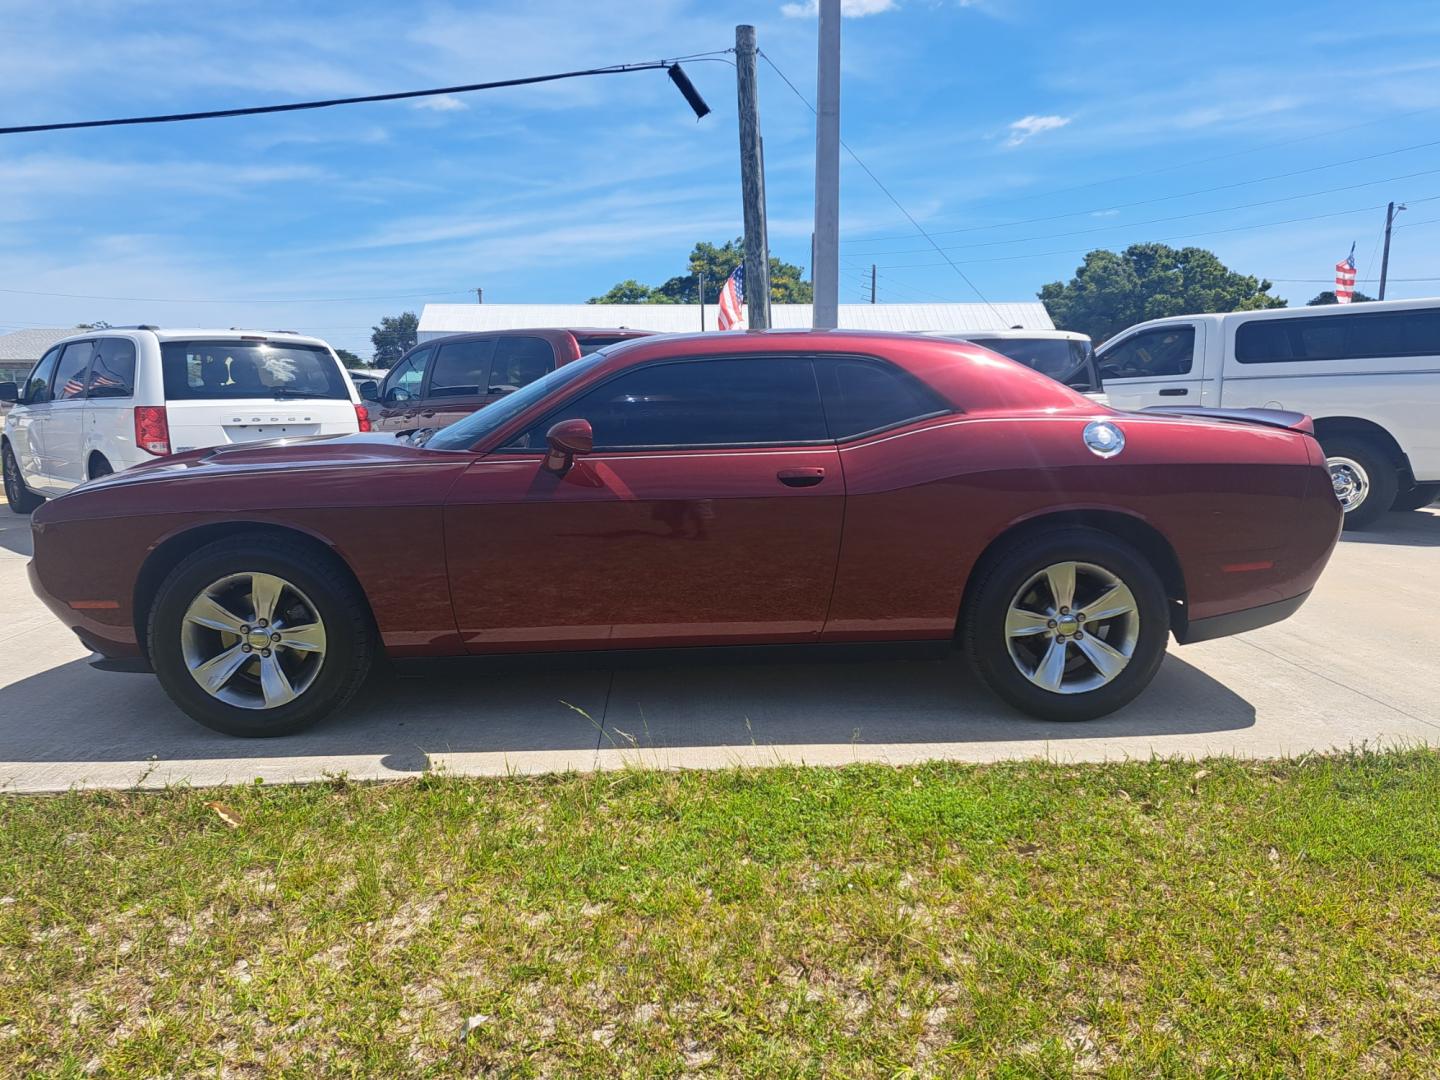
[(400, 392), (1161, 365), (459, 382), (63, 463), (26, 424), (709, 512), (110, 405)]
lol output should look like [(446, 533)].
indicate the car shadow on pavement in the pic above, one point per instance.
[(15, 533), (73, 713), (1414, 528)]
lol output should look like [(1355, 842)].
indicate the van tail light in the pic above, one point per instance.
[(362, 414), (152, 429)]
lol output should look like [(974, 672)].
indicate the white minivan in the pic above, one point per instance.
[(104, 400), (1369, 375)]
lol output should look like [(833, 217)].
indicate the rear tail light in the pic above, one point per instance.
[(362, 414), (152, 429)]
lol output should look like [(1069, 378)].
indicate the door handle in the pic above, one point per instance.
[(807, 477), (1174, 391), (428, 413)]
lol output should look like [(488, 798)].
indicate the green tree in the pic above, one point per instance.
[(393, 336), (1111, 291), (1328, 297), (349, 359), (715, 262)]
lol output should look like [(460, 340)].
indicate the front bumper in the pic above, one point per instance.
[(1187, 632)]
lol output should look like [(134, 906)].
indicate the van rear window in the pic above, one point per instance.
[(227, 370), (1358, 336)]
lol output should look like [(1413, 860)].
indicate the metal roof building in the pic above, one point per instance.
[(19, 350), (438, 320)]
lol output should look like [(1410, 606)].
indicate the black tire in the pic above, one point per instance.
[(21, 499), (349, 631), (1417, 497), (999, 579), (99, 467), (1380, 472)]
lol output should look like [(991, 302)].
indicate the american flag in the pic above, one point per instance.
[(731, 297), (1345, 278)]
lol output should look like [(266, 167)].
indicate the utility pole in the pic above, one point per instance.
[(479, 296), (752, 181), (1390, 212), (872, 283), (702, 301), (826, 270)]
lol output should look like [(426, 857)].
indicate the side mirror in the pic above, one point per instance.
[(9, 392), (567, 439), (368, 389)]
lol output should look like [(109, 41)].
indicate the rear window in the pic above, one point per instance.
[(1360, 336), (227, 370), (591, 342)]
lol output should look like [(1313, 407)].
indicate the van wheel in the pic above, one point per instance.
[(1419, 496), (255, 636), (21, 499), (1365, 479), (1070, 625), (99, 467)]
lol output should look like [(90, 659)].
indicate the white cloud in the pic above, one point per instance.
[(1027, 127), (851, 9), (441, 103), (1103, 213)]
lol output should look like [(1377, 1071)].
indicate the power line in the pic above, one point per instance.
[(898, 205), (1160, 198), (296, 106), (1153, 221), (1160, 239)]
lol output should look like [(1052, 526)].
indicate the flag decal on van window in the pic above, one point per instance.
[(1345, 278)]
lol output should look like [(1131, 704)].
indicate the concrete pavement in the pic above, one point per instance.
[(1360, 663)]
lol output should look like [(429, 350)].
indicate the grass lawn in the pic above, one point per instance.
[(1152, 919)]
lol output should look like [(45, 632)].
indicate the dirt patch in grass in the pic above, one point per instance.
[(1164, 918)]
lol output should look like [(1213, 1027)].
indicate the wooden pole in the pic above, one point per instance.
[(752, 181)]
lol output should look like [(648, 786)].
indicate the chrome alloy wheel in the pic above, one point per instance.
[(253, 640), (1072, 627), (1352, 482)]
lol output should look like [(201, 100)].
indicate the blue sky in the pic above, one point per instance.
[(1023, 133)]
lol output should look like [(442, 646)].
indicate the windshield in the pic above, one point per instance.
[(1055, 357), (467, 432), (226, 370)]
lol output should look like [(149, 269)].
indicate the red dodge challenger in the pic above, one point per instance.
[(771, 488)]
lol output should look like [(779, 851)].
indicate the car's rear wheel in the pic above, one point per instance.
[(1364, 477), (1417, 496), (1067, 626), (21, 499), (258, 636)]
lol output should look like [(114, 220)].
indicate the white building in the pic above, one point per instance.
[(437, 320)]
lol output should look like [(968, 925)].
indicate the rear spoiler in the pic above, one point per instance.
[(1281, 418)]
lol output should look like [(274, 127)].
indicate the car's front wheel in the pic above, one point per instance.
[(258, 636), (21, 499), (1067, 626)]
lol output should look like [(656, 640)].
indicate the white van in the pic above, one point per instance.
[(1369, 374), (105, 400)]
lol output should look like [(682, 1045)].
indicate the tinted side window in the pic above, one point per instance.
[(868, 395), (518, 362), (1166, 351), (112, 372), (1339, 337), (761, 400), (407, 376), (72, 371), (462, 369), (37, 386)]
